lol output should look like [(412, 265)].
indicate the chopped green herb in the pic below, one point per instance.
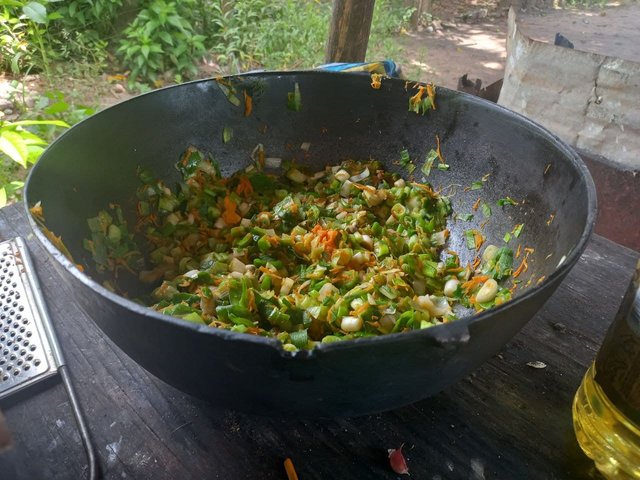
[(507, 237), (476, 186), (470, 237), (227, 134), (432, 156), (465, 217), (486, 210), (506, 201), (404, 157), (517, 230), (294, 99)]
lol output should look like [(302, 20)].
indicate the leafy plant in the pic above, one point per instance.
[(20, 145), (158, 40)]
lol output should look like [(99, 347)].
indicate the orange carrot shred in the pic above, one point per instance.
[(244, 187), (248, 104), (479, 239), (476, 205), (518, 251), (229, 215), (438, 151), (291, 471), (524, 266), (431, 93)]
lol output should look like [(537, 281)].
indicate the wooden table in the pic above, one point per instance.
[(505, 421)]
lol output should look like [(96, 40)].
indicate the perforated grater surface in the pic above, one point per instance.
[(28, 350)]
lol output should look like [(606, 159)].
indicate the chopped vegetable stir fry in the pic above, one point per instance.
[(347, 252)]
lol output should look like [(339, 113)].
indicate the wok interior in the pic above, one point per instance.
[(342, 117)]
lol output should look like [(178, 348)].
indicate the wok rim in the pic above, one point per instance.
[(443, 332)]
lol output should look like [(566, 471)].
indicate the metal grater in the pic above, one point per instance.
[(29, 352)]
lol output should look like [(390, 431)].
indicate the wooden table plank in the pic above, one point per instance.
[(506, 420)]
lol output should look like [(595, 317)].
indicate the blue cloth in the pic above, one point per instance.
[(385, 67)]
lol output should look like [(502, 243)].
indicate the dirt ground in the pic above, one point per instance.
[(477, 46)]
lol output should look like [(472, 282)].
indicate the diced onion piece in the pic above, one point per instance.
[(374, 198), (439, 238), (305, 146), (287, 284), (361, 176), (351, 324), (245, 222), (487, 292), (326, 290), (172, 218), (387, 322), (436, 306), (220, 223), (273, 162), (399, 183), (489, 253), (342, 175), (191, 274), (296, 175), (345, 190), (451, 286), (243, 208), (236, 265)]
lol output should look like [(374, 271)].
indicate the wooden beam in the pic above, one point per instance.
[(349, 30)]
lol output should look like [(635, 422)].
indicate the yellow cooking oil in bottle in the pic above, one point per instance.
[(606, 408)]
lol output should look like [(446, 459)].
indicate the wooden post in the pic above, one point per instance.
[(349, 30)]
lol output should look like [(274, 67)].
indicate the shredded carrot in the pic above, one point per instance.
[(551, 217), (79, 267), (473, 282), (417, 98), (248, 104), (187, 155), (230, 216), (476, 262), (540, 280), (376, 81), (518, 251), (431, 93), (524, 266), (37, 212), (476, 205), (479, 239), (438, 151), (326, 237), (244, 187), (261, 158)]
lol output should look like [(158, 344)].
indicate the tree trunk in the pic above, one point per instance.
[(422, 7), (349, 30)]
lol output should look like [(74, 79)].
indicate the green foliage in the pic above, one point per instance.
[(275, 34), (20, 145), (15, 51), (83, 29), (158, 40), (24, 26)]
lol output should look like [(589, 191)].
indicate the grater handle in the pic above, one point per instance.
[(56, 350)]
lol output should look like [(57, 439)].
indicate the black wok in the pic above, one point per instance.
[(95, 162)]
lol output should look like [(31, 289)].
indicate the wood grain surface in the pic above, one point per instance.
[(505, 421)]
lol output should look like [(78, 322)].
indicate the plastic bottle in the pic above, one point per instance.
[(606, 408)]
